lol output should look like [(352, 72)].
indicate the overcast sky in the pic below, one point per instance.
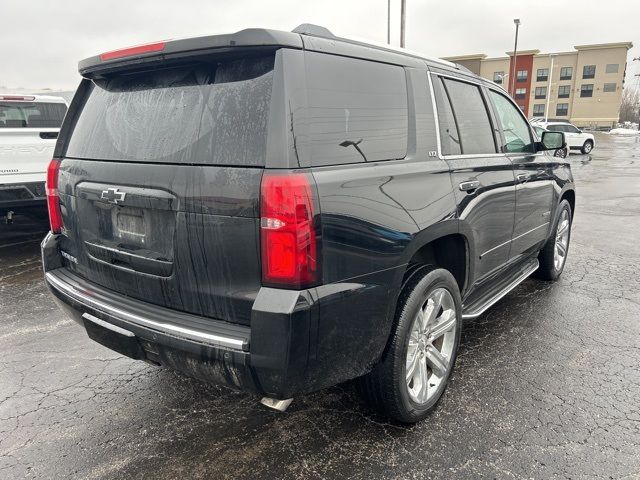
[(42, 40)]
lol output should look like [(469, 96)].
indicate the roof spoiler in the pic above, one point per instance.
[(170, 49)]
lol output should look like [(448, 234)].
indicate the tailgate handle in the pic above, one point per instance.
[(48, 135), (119, 258)]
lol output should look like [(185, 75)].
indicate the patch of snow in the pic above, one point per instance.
[(624, 131)]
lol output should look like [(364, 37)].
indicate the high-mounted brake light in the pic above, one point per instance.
[(287, 231), (130, 51), (28, 98), (53, 199)]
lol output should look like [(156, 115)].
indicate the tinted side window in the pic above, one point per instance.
[(516, 129), (555, 128), (472, 118), (31, 114), (449, 135), (356, 111)]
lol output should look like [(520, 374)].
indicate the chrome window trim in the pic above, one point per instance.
[(509, 155), (437, 119)]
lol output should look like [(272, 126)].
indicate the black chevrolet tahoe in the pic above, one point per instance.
[(283, 211)]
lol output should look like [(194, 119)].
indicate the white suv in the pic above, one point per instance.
[(29, 127), (576, 139)]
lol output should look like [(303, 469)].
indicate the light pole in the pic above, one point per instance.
[(515, 57), (388, 22), (546, 109), (403, 12), (502, 77)]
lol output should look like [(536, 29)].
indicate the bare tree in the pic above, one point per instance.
[(629, 105)]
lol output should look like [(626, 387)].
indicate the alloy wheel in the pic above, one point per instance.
[(562, 240), (431, 344)]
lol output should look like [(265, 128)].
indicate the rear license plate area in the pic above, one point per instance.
[(129, 226)]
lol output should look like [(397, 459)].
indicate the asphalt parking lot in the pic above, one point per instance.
[(547, 382)]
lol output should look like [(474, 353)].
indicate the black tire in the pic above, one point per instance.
[(386, 388), (587, 147), (561, 152), (548, 269)]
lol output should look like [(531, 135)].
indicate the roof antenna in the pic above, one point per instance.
[(313, 30)]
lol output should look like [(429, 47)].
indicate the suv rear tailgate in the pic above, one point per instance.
[(160, 182)]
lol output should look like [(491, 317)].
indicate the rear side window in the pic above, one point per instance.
[(31, 114), (205, 114), (449, 136), (471, 118), (356, 111)]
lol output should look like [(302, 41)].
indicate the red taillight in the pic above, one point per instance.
[(53, 200), (130, 51), (288, 235)]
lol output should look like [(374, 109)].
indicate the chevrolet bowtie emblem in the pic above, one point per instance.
[(113, 195)]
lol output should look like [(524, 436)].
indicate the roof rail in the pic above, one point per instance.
[(313, 30), (323, 32)]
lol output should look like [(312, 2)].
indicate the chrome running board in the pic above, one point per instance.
[(275, 404), (478, 308)]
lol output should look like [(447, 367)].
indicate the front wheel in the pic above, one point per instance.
[(413, 374), (587, 147), (561, 152), (553, 255)]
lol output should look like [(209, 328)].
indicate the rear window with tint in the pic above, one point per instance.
[(356, 111), (31, 114), (473, 133), (206, 114)]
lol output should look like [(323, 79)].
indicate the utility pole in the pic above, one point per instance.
[(546, 109), (403, 12), (388, 22), (515, 57)]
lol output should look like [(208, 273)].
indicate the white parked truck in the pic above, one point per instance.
[(29, 127)]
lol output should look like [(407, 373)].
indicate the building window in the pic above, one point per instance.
[(497, 77), (522, 75), (566, 73), (564, 91), (562, 109), (588, 71), (538, 110), (612, 68), (521, 92), (542, 75), (609, 87), (586, 90), (541, 92)]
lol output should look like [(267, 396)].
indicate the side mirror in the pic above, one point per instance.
[(551, 141)]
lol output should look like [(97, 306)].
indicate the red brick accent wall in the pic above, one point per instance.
[(523, 62)]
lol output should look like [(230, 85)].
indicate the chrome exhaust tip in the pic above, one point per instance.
[(274, 404)]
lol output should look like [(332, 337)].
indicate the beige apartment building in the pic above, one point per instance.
[(584, 86)]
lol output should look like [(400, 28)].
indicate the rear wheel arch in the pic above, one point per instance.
[(450, 252), (426, 251), (569, 196)]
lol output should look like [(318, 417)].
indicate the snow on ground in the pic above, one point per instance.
[(624, 131)]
